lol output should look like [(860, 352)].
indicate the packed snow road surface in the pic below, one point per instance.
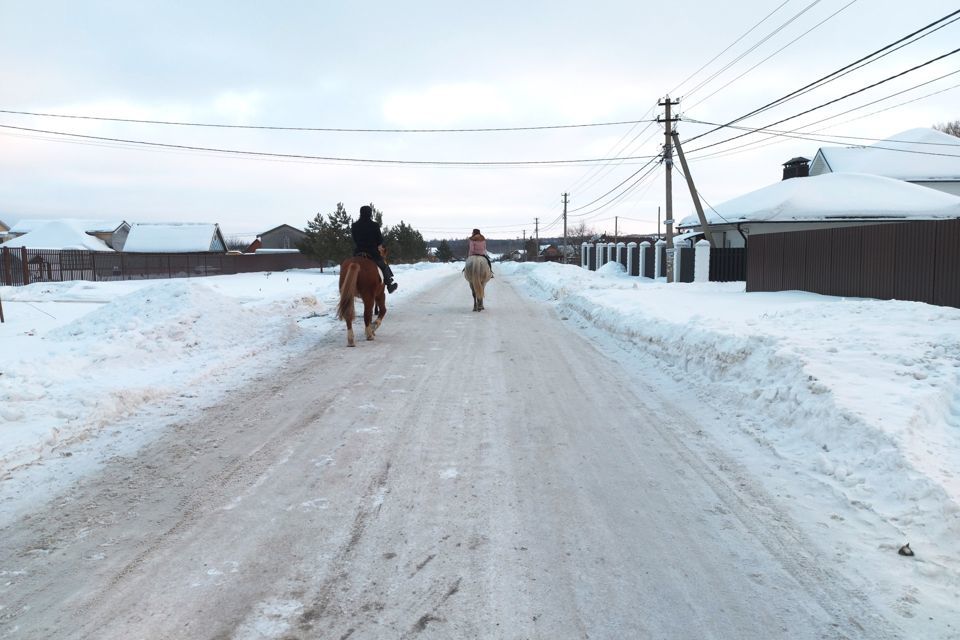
[(466, 475)]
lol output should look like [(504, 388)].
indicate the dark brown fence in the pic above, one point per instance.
[(687, 259), (917, 261), (649, 261), (728, 264), (20, 266)]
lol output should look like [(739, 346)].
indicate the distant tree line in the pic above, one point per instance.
[(953, 128), (328, 238)]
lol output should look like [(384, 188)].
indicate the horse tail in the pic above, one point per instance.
[(348, 291), (477, 272)]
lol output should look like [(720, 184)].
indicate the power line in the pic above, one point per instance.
[(835, 74), (327, 158), (751, 49), (731, 45), (777, 135), (800, 136), (621, 195), (602, 171), (700, 195), (825, 104), (613, 189), (325, 129), (616, 150), (801, 36)]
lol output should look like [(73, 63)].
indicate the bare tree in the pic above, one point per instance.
[(953, 128), (579, 232)]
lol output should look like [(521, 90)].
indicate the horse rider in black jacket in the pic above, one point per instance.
[(368, 241)]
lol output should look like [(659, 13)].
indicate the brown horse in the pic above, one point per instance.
[(477, 272), (360, 278)]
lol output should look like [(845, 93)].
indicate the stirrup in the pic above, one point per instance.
[(392, 287)]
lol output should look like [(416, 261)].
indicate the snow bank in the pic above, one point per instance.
[(863, 396), (80, 356)]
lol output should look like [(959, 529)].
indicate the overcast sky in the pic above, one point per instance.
[(429, 65)]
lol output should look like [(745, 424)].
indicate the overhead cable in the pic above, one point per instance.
[(832, 75), (751, 49), (745, 34), (825, 104), (792, 42), (329, 158), (326, 129)]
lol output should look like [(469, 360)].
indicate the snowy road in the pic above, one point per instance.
[(465, 476)]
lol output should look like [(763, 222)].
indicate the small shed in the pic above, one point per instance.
[(175, 237)]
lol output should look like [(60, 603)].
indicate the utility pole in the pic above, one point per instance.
[(565, 196), (668, 162), (694, 194), (536, 230), (616, 235)]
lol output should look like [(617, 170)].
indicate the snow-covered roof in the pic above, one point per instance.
[(173, 237), (832, 196), (58, 234), (90, 226), (683, 237), (916, 155)]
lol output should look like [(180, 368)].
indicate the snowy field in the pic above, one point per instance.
[(847, 409)]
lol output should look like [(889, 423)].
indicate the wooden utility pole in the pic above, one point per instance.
[(668, 162), (565, 197), (536, 231), (693, 191), (616, 233)]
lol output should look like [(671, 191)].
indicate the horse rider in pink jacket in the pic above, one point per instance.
[(478, 247)]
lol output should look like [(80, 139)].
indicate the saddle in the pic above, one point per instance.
[(364, 254)]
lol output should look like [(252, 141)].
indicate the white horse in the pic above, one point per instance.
[(477, 272)]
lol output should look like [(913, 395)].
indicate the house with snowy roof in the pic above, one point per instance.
[(824, 201), (924, 157), (56, 235), (4, 231), (111, 232), (175, 237), (53, 251)]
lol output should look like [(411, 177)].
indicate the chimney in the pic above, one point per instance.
[(796, 168)]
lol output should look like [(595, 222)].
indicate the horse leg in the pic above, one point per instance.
[(350, 342), (381, 300), (368, 328)]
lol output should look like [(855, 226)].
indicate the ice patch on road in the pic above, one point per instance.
[(449, 473), (271, 619)]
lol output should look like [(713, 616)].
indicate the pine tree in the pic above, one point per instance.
[(404, 243), (341, 240), (328, 238), (444, 252)]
